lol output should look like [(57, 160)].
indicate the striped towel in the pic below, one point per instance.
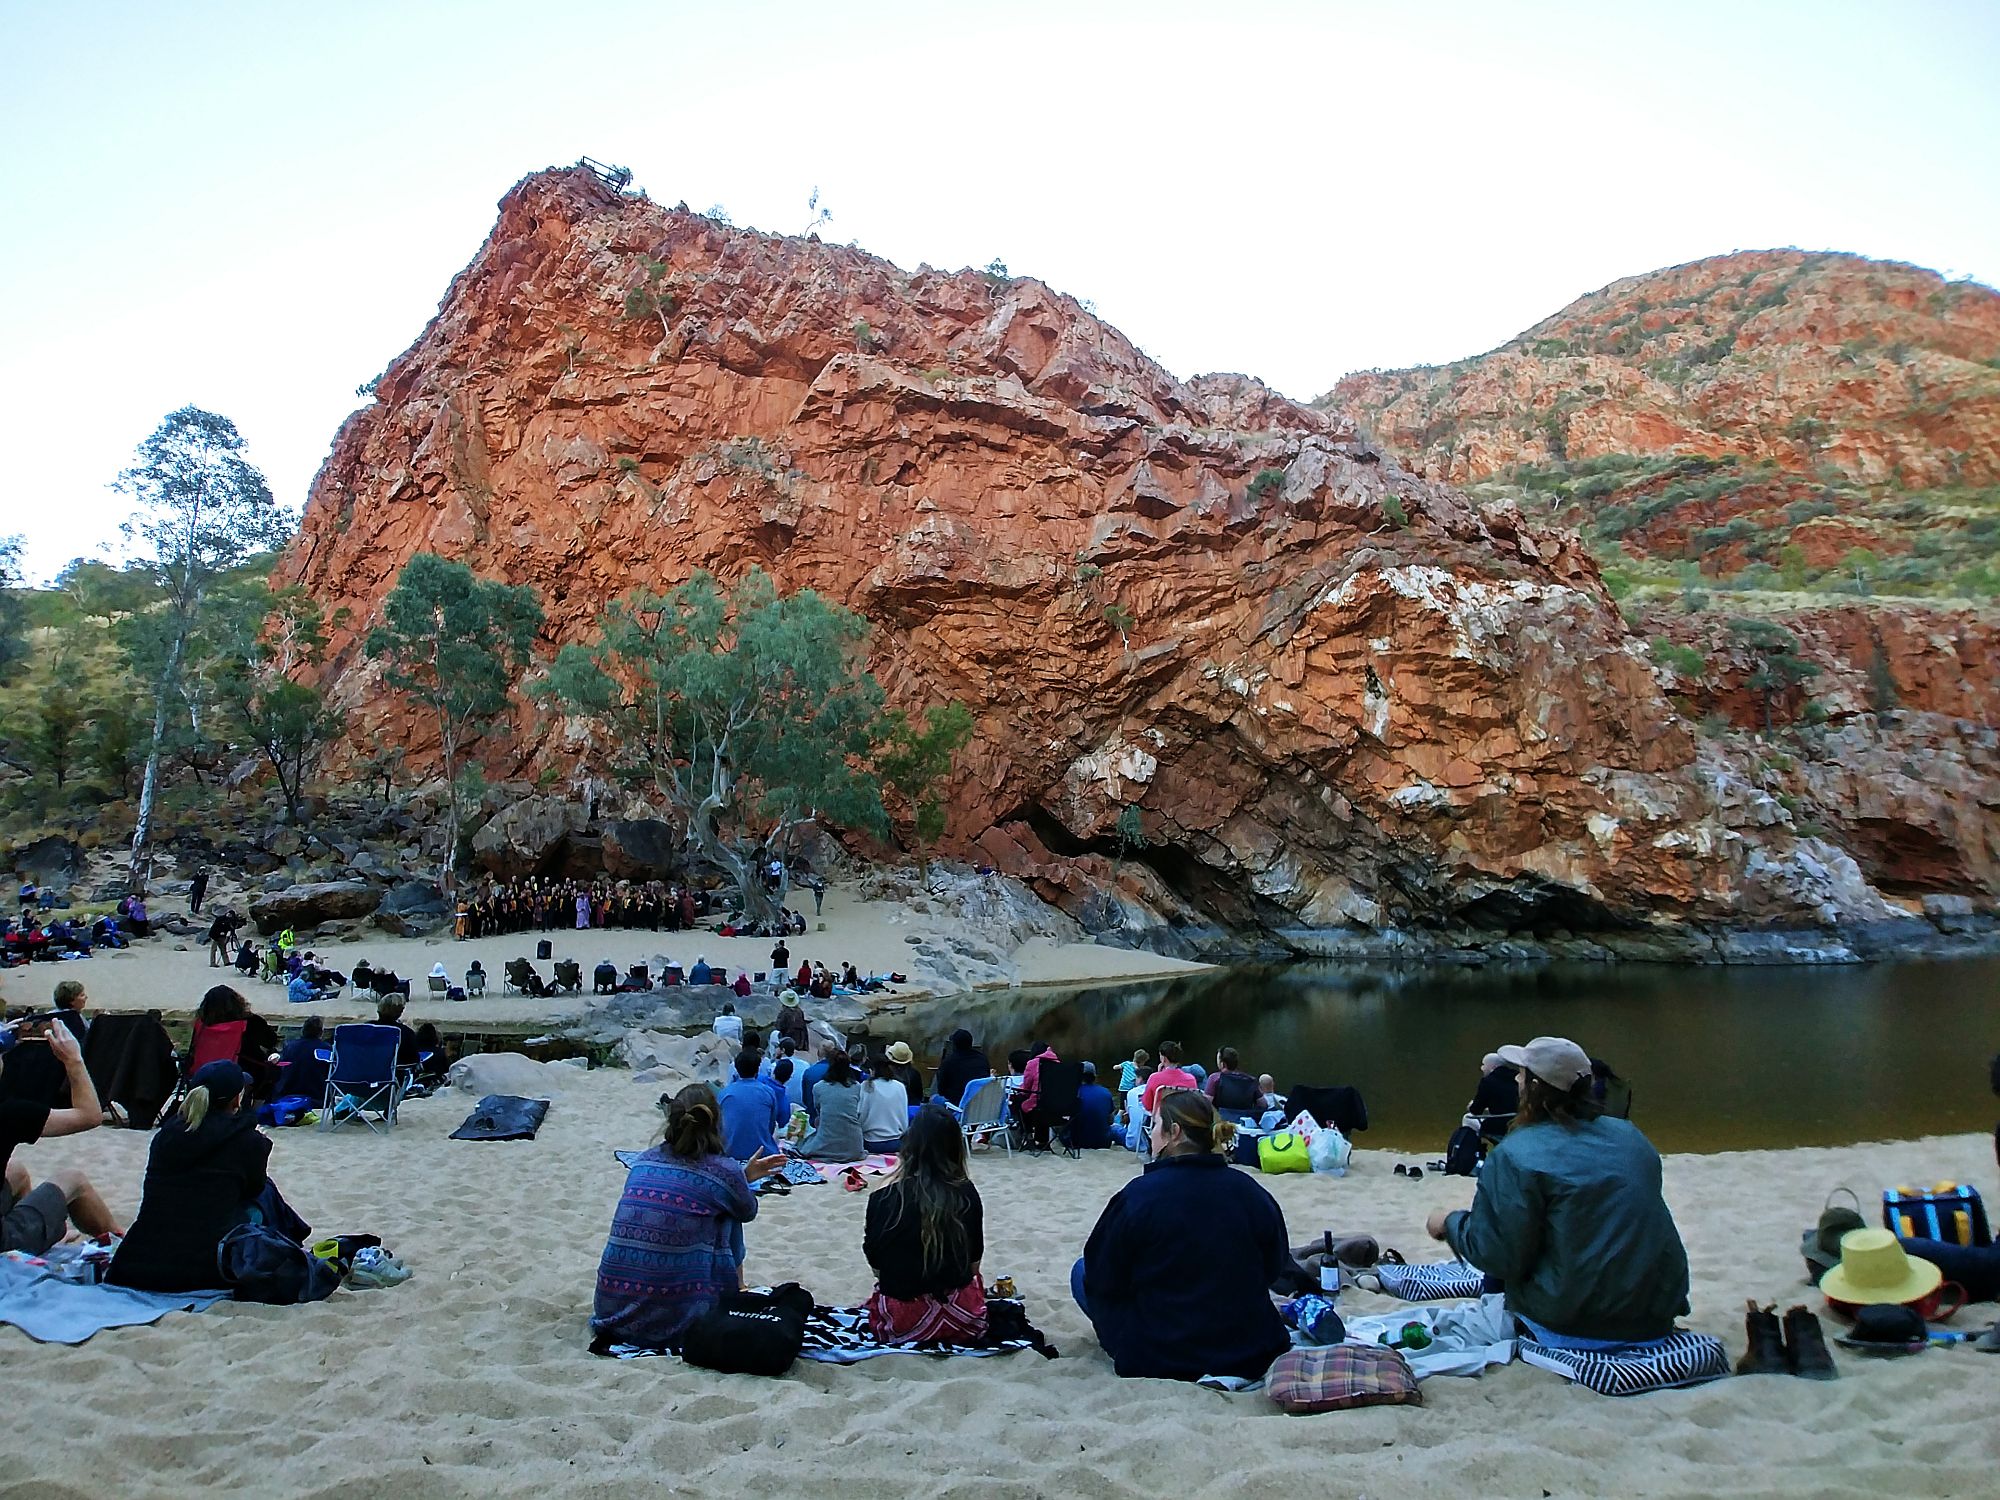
[(1431, 1282), (1683, 1357)]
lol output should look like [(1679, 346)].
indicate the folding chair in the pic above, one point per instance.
[(984, 1114), (1339, 1106), (362, 1064), (1058, 1085), (475, 981), (514, 980), (569, 977), (439, 984)]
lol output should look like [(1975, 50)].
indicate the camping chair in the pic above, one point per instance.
[(439, 984), (1057, 1087), (362, 1064), (639, 977), (475, 981), (985, 1113), (131, 1062), (569, 978), (515, 981)]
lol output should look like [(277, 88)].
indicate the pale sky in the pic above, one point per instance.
[(253, 207)]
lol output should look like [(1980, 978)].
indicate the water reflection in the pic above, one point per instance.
[(1719, 1059)]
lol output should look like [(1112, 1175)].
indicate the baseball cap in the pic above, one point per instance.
[(1556, 1060)]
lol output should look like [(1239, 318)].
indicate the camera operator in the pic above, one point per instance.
[(33, 1217)]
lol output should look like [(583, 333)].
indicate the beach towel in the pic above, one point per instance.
[(796, 1172), (37, 1300), (1683, 1357), (1433, 1281), (1465, 1337), (503, 1117), (841, 1336)]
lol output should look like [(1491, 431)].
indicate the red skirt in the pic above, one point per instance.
[(957, 1319)]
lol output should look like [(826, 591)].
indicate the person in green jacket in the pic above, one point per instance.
[(1569, 1217)]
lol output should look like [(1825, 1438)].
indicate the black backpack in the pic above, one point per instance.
[(750, 1333), (258, 1264), (1461, 1153)]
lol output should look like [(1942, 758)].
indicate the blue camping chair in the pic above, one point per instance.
[(362, 1065)]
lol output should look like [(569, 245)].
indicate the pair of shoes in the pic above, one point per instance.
[(1989, 1341), (1797, 1347), (1405, 1170)]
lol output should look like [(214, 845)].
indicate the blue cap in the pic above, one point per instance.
[(222, 1078)]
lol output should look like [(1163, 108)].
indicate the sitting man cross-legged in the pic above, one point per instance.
[(35, 1216)]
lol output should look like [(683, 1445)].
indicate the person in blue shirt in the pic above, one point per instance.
[(1090, 1128), (701, 973), (750, 1113), (1176, 1277), (808, 1085)]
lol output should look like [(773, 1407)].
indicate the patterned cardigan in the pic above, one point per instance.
[(676, 1245)]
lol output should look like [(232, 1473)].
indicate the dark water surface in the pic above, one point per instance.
[(1719, 1058)]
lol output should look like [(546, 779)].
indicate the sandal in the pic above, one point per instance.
[(853, 1181)]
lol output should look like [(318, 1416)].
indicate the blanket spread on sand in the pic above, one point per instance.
[(840, 1336), (50, 1310), (798, 1172), (1683, 1357)]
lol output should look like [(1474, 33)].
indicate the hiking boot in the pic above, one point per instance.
[(1766, 1354), (1805, 1347)]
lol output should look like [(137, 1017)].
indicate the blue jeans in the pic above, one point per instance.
[(1076, 1285)]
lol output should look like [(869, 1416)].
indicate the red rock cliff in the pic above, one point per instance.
[(1347, 696)]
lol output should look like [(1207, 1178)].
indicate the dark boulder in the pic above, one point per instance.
[(52, 861), (310, 905), (527, 838), (412, 908), (640, 849)]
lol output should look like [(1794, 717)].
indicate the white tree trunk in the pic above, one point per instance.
[(149, 785)]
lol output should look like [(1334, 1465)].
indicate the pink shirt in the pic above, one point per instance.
[(1163, 1079)]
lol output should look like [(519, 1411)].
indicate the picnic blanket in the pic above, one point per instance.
[(1466, 1337), (35, 1298), (1683, 1357), (840, 1336), (503, 1117)]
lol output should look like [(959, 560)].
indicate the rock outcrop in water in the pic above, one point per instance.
[(1345, 698)]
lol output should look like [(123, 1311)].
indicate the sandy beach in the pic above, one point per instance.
[(474, 1379), (171, 973)]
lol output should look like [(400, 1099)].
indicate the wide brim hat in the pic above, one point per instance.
[(788, 997), (1874, 1267), (899, 1052)]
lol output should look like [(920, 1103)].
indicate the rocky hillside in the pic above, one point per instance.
[(1772, 420), (1346, 698)]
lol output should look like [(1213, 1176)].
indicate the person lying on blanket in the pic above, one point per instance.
[(1568, 1217), (1175, 1276), (676, 1242), (925, 1237)]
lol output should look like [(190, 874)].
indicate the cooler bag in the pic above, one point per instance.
[(1947, 1211)]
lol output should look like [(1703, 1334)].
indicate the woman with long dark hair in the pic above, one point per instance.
[(676, 1241), (925, 1238), (1569, 1216), (223, 1006), (840, 1107), (1175, 1277)]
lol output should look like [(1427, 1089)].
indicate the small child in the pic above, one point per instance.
[(1270, 1102), (1133, 1073)]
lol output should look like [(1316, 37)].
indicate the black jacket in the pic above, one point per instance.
[(1177, 1271), (956, 1071), (199, 1185)]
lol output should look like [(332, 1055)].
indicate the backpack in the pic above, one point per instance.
[(258, 1264), (1461, 1153), (750, 1333)]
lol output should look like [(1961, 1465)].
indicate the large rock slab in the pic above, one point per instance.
[(528, 837), (309, 905)]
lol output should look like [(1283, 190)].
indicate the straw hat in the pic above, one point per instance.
[(899, 1052), (1875, 1268), (788, 997)]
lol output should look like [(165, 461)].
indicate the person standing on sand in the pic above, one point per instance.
[(1568, 1216), (676, 1242)]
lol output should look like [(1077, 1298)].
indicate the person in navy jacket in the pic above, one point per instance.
[(1175, 1277)]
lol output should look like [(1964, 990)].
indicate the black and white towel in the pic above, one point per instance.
[(1683, 1357), (1433, 1281)]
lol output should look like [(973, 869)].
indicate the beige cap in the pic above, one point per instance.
[(1556, 1060), (899, 1052)]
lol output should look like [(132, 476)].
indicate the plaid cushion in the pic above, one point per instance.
[(1342, 1375)]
